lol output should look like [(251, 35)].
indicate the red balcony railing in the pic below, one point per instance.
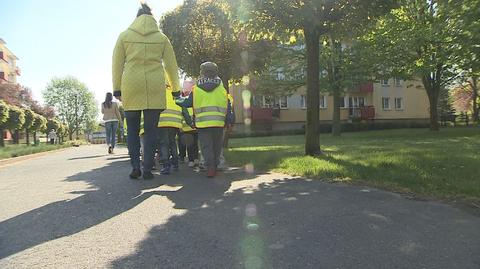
[(367, 112), (3, 76), (367, 87), (18, 71), (262, 114)]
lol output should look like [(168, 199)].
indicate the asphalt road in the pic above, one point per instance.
[(78, 209)]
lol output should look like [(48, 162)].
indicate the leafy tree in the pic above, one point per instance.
[(203, 31), (4, 109), (283, 19), (15, 122), (418, 42), (39, 125), (29, 121), (465, 19), (73, 102)]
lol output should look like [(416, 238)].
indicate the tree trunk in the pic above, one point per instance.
[(312, 138), (35, 137), (2, 141), (433, 92), (70, 135), (336, 126), (27, 137), (16, 137), (475, 117)]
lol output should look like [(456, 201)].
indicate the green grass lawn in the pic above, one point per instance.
[(443, 164), (10, 151)]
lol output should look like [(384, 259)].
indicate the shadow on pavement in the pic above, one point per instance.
[(111, 193), (297, 223)]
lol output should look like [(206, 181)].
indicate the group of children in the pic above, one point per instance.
[(180, 128)]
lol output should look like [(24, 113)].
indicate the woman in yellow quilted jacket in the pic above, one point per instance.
[(141, 55)]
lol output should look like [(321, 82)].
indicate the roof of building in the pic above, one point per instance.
[(2, 42)]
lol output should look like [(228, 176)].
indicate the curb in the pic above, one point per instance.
[(10, 161)]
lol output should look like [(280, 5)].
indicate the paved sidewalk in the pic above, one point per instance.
[(78, 209)]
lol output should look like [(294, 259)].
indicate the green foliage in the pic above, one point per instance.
[(209, 31), (16, 119), (29, 119), (40, 123), (3, 112), (72, 100), (443, 165), (12, 151), (53, 124)]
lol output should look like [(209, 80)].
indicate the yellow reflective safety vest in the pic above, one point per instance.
[(172, 116), (185, 127), (210, 108)]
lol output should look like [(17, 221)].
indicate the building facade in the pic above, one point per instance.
[(9, 70), (390, 100)]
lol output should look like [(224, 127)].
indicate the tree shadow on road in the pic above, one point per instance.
[(299, 223), (109, 194)]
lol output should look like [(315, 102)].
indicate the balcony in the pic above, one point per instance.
[(3, 77), (3, 56), (366, 88), (18, 71), (367, 113), (260, 114)]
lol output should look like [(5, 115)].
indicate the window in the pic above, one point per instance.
[(385, 82), (280, 75), (399, 103), (398, 82), (361, 102), (343, 102), (323, 101), (303, 101), (386, 103), (282, 101), (269, 101)]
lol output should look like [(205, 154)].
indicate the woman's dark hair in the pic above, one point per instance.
[(144, 10), (108, 100)]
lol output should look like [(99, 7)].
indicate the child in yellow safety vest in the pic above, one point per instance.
[(188, 140), (211, 111), (169, 124)]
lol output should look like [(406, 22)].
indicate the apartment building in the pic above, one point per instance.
[(390, 100), (8, 65)]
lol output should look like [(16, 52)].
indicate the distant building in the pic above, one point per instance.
[(9, 71), (8, 65), (389, 101)]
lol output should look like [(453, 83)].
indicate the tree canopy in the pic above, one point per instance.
[(203, 31), (73, 102)]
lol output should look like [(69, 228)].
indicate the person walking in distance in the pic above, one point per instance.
[(141, 58), (111, 117), (209, 101)]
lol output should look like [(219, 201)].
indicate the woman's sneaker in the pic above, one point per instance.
[(110, 150), (135, 174)]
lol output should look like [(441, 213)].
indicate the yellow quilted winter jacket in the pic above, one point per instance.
[(139, 58)]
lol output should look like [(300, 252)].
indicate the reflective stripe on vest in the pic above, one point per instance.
[(172, 116), (210, 107)]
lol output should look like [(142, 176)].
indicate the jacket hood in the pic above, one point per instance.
[(144, 25), (209, 84)]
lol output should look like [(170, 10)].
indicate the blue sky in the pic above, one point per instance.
[(69, 37)]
